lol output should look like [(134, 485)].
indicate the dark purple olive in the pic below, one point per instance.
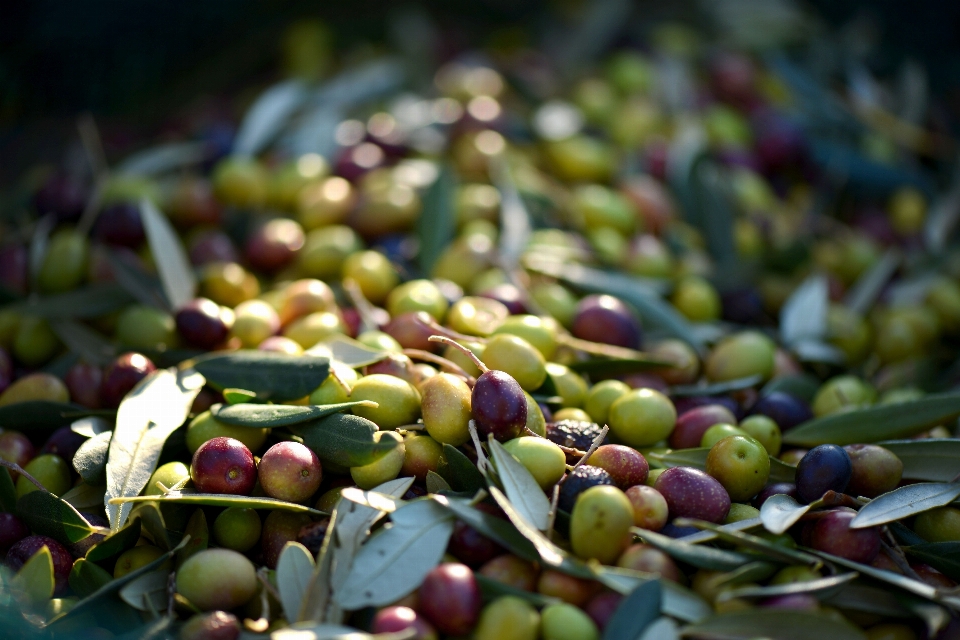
[(786, 410), (12, 531), (6, 369), (743, 306), (499, 406), (605, 319), (122, 376), (63, 442), (585, 477), (14, 270), (786, 488), (83, 382), (509, 295), (63, 195), (120, 224), (25, 549), (212, 245), (825, 468), (200, 323)]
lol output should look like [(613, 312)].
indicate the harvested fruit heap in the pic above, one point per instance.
[(496, 359)]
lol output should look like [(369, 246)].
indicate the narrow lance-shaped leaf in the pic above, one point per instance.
[(278, 415), (804, 314), (90, 461), (395, 561), (148, 592), (35, 577), (268, 115), (514, 219), (457, 469), (163, 158), (84, 341), (86, 302), (35, 415), (699, 556), (174, 268), (217, 500), (521, 487), (779, 471), (634, 613), (273, 376), (48, 515), (822, 587), (933, 459), (437, 223), (867, 288), (347, 351), (942, 556), (140, 285), (874, 424), (753, 543), (116, 543), (905, 502), (146, 417), (497, 529), (86, 577), (344, 439), (780, 624), (780, 512), (8, 492), (294, 573)]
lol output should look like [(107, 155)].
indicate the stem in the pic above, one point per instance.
[(608, 350), (470, 354), (450, 365), (361, 304), (12, 466), (898, 558), (481, 457), (340, 381), (552, 516), (593, 447), (568, 450)]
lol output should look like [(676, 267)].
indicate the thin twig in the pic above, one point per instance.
[(363, 306), (552, 516), (12, 466), (481, 457), (573, 451), (593, 447), (896, 554), (449, 365), (470, 354), (607, 350)]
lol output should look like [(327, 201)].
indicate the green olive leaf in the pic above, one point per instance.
[(344, 439), (48, 515), (753, 543), (294, 572), (163, 158), (618, 367), (437, 223), (238, 396), (717, 388), (153, 410), (90, 345), (261, 416), (86, 577), (634, 613), (218, 500), (491, 589), (859, 596), (801, 385), (942, 556), (8, 492), (347, 351), (676, 601), (144, 287), (35, 577), (90, 461), (775, 624), (199, 536), (395, 561), (520, 486), (697, 555), (154, 525), (38, 415), (933, 459), (905, 502), (116, 543), (877, 423), (780, 512), (272, 376), (91, 301), (803, 316), (457, 469), (85, 497), (268, 115), (149, 592), (821, 587), (865, 291), (497, 529), (435, 483)]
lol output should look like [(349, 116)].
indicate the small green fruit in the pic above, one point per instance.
[(217, 579), (600, 523), (386, 468), (545, 461), (567, 622), (741, 465)]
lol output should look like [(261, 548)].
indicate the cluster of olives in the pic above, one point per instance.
[(292, 252)]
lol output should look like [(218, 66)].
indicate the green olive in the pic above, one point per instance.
[(464, 259), (205, 427), (446, 409), (386, 468), (237, 529), (601, 396), (373, 273), (516, 356), (144, 328), (741, 355), (168, 475), (326, 249), (570, 386), (476, 316), (35, 386), (50, 470), (418, 295), (398, 400), (241, 182), (541, 332), (34, 342), (545, 461), (65, 262)]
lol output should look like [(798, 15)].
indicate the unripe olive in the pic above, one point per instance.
[(476, 202), (507, 618), (205, 427), (571, 387), (545, 461), (421, 454), (908, 210), (539, 332), (535, 420), (50, 470), (642, 417), (517, 357), (939, 525), (380, 341), (303, 297), (476, 316), (386, 468), (684, 360), (598, 206), (398, 400), (567, 622), (600, 523), (464, 260), (254, 322), (765, 430), (601, 397), (144, 328), (228, 284), (241, 182), (36, 386), (217, 579), (696, 299), (335, 389), (325, 203), (65, 262), (944, 298), (168, 475), (315, 327), (581, 159), (446, 409), (741, 355), (373, 273), (556, 300), (237, 529), (34, 342), (418, 295), (842, 393), (291, 178), (325, 250)]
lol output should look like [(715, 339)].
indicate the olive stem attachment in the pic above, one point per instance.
[(13, 466), (573, 451), (363, 306), (481, 456), (470, 354), (552, 515), (449, 365)]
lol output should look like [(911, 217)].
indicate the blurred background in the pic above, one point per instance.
[(138, 69)]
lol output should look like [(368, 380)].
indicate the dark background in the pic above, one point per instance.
[(135, 62)]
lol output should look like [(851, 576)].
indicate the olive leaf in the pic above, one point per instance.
[(676, 601), (435, 483), (238, 396), (268, 115), (90, 461), (35, 577), (780, 512), (861, 597), (697, 458), (85, 497), (344, 439), (91, 301), (148, 592), (634, 613), (717, 388), (396, 560), (372, 499), (877, 423), (272, 376), (615, 367), (313, 631), (90, 427), (438, 222), (905, 502), (143, 287), (38, 415), (155, 526), (803, 316), (176, 273), (821, 587), (865, 291), (709, 536), (163, 157), (116, 543), (457, 469), (90, 345), (933, 459), (909, 585), (199, 536), (757, 544), (663, 628), (217, 500), (154, 409), (942, 556), (294, 572), (86, 577), (50, 516), (497, 529), (347, 351), (514, 219), (8, 492), (261, 416), (779, 624), (697, 555), (801, 385), (520, 486)]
